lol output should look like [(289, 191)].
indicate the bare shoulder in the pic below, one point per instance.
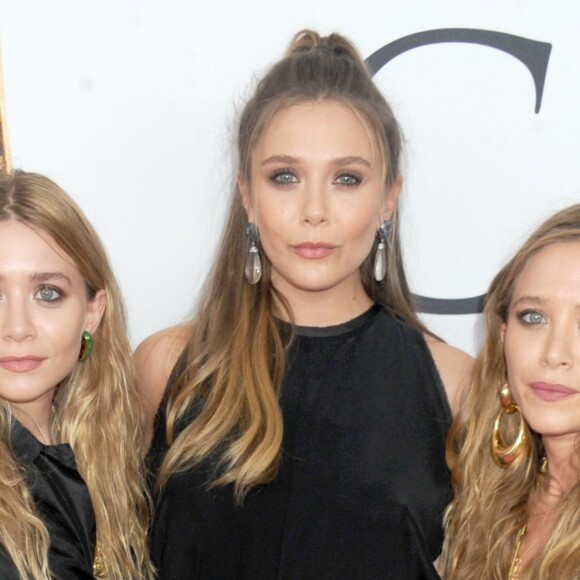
[(454, 366), (155, 357)]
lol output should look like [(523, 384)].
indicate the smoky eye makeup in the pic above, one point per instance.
[(283, 177), (348, 179), (49, 294), (530, 317)]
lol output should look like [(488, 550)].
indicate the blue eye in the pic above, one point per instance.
[(531, 317), (284, 177), (347, 179), (48, 294)]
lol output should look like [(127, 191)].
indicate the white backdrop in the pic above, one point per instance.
[(130, 106)]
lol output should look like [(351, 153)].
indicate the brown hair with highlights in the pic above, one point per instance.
[(235, 343)]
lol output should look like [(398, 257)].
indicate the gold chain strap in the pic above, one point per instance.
[(100, 568)]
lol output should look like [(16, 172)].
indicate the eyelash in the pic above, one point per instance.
[(276, 177), (355, 179), (53, 289), (527, 313)]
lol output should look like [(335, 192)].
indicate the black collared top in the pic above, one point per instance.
[(63, 503)]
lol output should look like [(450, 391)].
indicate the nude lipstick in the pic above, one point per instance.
[(20, 364), (551, 391), (313, 251)]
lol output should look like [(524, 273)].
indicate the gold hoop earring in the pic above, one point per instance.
[(505, 455)]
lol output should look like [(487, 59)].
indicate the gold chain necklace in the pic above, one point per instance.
[(516, 559)]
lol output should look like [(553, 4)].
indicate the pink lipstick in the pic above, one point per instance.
[(21, 364), (313, 251), (551, 391)]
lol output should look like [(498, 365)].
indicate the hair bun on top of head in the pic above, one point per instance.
[(313, 68), (333, 44)]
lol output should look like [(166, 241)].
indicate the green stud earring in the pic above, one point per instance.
[(86, 346)]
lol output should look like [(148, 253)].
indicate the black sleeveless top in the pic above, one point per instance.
[(62, 501), (362, 483)]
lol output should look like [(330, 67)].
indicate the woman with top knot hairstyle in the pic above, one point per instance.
[(304, 410), (72, 500)]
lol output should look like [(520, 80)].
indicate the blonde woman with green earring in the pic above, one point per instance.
[(72, 500)]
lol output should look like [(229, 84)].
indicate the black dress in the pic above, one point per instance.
[(63, 503), (362, 483)]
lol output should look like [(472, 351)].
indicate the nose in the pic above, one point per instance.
[(559, 348), (16, 320), (315, 204)]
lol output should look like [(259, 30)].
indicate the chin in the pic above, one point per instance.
[(555, 427), (308, 283)]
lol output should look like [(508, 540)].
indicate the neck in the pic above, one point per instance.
[(325, 307), (38, 423), (563, 465), (545, 501)]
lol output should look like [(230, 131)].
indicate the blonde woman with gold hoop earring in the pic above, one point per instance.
[(514, 448)]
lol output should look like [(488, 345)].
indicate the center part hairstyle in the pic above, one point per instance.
[(490, 502), (97, 408), (236, 353)]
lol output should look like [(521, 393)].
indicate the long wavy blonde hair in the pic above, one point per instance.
[(491, 502), (236, 353), (98, 410)]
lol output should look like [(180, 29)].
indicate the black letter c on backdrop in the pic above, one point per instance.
[(532, 53)]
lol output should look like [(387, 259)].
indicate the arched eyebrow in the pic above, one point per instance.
[(530, 300), (285, 159), (50, 276), (45, 277), (535, 301), (351, 160), (339, 161)]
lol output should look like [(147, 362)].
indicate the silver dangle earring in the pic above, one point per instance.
[(253, 269), (380, 268)]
